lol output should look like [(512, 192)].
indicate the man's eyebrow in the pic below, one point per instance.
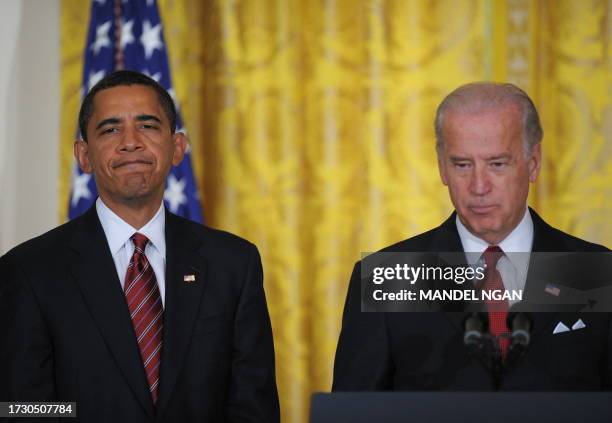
[(142, 118), (503, 156), (108, 121), (458, 158)]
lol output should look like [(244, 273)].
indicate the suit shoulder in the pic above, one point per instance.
[(216, 239), (557, 240), (573, 243), (49, 242), (417, 243)]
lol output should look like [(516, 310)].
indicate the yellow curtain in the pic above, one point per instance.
[(311, 123)]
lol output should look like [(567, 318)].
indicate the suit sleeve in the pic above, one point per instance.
[(26, 351), (362, 359), (606, 373), (253, 395)]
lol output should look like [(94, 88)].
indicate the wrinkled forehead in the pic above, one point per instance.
[(497, 129), (127, 100)]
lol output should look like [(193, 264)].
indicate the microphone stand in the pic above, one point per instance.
[(485, 347), (481, 345)]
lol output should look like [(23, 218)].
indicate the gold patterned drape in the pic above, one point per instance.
[(311, 123)]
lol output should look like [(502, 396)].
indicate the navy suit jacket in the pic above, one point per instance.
[(66, 333), (425, 351)]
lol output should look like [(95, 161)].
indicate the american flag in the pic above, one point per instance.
[(552, 289), (128, 35)]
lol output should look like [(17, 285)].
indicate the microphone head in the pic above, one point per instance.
[(518, 320), (520, 325), (474, 326), (476, 321)]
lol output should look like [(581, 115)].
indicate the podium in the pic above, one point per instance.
[(472, 407)]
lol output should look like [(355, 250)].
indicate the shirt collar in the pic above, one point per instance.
[(520, 240), (118, 231)]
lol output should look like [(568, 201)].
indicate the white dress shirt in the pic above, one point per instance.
[(118, 233), (513, 265)]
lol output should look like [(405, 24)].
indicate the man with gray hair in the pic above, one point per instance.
[(488, 140)]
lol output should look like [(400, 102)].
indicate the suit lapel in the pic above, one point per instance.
[(446, 239), (96, 277), (542, 242), (185, 281)]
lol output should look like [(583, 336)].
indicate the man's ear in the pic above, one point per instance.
[(179, 141), (80, 154), (535, 162)]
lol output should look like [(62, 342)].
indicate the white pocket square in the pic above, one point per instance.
[(560, 328), (578, 325)]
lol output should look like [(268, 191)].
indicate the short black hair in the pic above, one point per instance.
[(120, 78)]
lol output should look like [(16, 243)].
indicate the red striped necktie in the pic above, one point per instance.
[(144, 303), (498, 309)]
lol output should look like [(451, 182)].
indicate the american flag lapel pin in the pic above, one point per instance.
[(552, 289), (189, 278)]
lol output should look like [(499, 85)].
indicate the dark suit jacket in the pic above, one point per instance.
[(66, 333), (425, 351)]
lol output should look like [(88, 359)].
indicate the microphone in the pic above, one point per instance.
[(475, 326), (520, 325), (480, 344)]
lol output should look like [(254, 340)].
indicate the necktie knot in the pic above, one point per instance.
[(492, 255), (140, 241)]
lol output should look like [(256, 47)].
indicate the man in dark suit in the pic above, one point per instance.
[(134, 313), (488, 144)]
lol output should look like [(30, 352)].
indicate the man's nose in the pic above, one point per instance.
[(480, 183), (131, 140)]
